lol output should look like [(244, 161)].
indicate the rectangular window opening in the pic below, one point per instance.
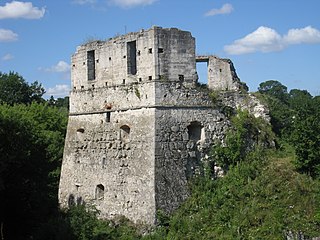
[(150, 50), (202, 72), (91, 66), (132, 57), (160, 50), (150, 78), (108, 117)]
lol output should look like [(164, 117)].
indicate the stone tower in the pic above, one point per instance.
[(139, 126)]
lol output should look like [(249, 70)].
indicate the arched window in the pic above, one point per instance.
[(124, 132), (100, 192)]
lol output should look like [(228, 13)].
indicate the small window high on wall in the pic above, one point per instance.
[(91, 65)]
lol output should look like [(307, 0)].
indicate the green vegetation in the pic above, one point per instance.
[(271, 187)]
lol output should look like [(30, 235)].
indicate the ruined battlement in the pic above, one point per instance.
[(139, 127), (142, 56)]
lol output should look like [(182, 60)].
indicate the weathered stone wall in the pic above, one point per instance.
[(118, 97), (159, 53), (245, 101), (177, 60), (184, 137), (105, 153)]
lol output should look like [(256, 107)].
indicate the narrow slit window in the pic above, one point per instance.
[(108, 116), (132, 57), (91, 66)]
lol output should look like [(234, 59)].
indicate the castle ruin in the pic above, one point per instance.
[(139, 127)]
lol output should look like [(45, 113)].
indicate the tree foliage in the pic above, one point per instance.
[(275, 89), (14, 90), (247, 133), (295, 119), (257, 199), (31, 146)]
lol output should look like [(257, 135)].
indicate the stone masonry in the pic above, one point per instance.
[(139, 127)]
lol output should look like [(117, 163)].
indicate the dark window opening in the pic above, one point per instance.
[(109, 58), (132, 58), (97, 60), (108, 117), (194, 131), (181, 77), (92, 85), (160, 50), (123, 81), (124, 56), (73, 65), (139, 53), (82, 87), (124, 132), (91, 66), (140, 79), (80, 130), (74, 88), (150, 77), (100, 192), (150, 50), (220, 70), (106, 84)]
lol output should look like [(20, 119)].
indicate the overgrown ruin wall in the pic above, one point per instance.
[(139, 127)]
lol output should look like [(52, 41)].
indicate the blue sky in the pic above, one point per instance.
[(265, 39)]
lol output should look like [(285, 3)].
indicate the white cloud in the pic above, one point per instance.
[(83, 2), (7, 57), (302, 35), (7, 35), (263, 39), (17, 9), (131, 3), (225, 9), (58, 90), (61, 67), (266, 39)]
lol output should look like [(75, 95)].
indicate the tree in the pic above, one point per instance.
[(59, 102), (31, 147), (14, 89), (274, 88), (306, 138)]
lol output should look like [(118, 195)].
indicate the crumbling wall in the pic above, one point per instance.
[(100, 153), (184, 137)]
